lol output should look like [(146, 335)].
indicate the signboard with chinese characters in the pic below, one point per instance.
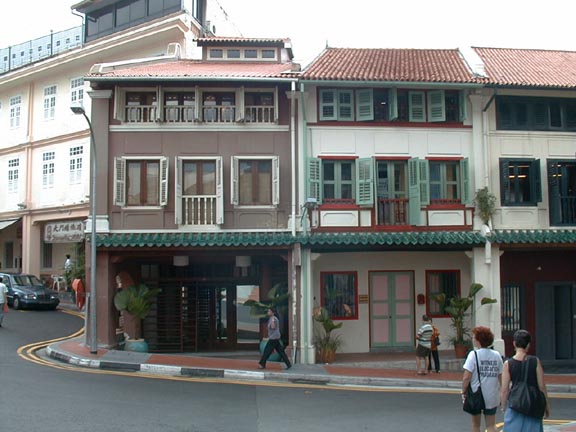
[(64, 232)]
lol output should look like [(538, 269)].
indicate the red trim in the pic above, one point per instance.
[(436, 158), (432, 125), (336, 206), (392, 158), (445, 207), (323, 157)]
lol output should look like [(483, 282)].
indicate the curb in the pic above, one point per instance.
[(292, 377)]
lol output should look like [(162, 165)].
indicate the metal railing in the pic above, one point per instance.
[(19, 55)]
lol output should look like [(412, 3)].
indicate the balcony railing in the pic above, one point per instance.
[(259, 114), (393, 211), (199, 210)]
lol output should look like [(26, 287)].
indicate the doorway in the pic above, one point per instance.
[(556, 320), (391, 309)]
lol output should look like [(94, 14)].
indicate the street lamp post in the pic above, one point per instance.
[(92, 311)]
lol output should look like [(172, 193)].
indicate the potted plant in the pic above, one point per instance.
[(485, 202), (135, 303), (457, 307), (326, 343)]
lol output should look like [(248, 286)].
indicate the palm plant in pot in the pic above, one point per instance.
[(135, 303), (326, 343), (457, 307)]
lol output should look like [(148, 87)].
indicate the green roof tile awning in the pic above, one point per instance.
[(428, 238), (270, 239), (232, 239), (533, 236)]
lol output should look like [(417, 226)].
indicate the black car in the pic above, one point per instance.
[(27, 291)]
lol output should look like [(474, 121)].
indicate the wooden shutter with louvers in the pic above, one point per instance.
[(328, 104), (314, 185), (465, 182), (416, 106), (365, 182), (275, 181), (392, 104), (164, 166), (436, 106), (119, 182), (364, 105), (178, 191), (219, 192), (414, 191)]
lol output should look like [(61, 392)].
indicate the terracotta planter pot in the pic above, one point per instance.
[(460, 350), (326, 355)]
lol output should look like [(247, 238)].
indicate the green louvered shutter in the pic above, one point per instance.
[(414, 191), (465, 182), (537, 180), (463, 105), (314, 184), (328, 105), (504, 181), (345, 105), (392, 104), (364, 105), (424, 169), (436, 106), (554, 192), (416, 106), (365, 182)]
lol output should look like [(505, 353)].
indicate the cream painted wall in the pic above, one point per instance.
[(356, 333)]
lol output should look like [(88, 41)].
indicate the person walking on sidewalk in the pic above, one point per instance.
[(423, 345), (513, 374), (3, 300), (483, 367), (274, 342), (434, 342)]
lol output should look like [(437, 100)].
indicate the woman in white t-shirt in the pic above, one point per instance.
[(490, 366), (3, 300)]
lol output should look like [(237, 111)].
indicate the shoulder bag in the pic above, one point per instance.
[(474, 401), (527, 399)]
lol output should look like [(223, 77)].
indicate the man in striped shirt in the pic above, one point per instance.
[(423, 345)]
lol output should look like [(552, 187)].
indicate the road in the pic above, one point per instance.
[(36, 397)]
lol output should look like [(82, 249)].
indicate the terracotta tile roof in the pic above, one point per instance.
[(190, 69), (409, 65), (527, 67)]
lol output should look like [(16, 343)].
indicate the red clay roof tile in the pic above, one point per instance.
[(529, 68), (409, 65)]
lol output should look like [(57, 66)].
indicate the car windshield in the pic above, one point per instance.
[(27, 280)]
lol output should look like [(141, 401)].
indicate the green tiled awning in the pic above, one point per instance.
[(269, 239), (231, 239), (428, 238), (533, 236)]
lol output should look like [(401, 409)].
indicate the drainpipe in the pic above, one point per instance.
[(295, 247)]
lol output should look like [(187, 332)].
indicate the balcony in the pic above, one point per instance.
[(199, 210), (186, 114), (392, 211)]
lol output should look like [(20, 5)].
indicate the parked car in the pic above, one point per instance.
[(28, 291)]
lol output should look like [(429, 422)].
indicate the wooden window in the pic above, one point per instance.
[(141, 182), (444, 182), (445, 282), (520, 182), (255, 181), (339, 294), (338, 181)]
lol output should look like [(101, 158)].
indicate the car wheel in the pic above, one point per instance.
[(16, 303)]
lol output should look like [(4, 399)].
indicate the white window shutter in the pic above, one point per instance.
[(234, 177), (436, 106), (119, 182), (119, 104), (416, 106), (392, 104), (219, 192), (178, 191), (164, 165), (364, 105), (328, 104), (159, 104), (275, 180)]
